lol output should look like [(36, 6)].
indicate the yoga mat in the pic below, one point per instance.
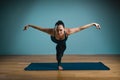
[(67, 66)]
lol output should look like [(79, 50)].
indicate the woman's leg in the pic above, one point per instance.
[(60, 48)]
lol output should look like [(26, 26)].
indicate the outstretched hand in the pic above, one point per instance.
[(26, 27), (97, 25)]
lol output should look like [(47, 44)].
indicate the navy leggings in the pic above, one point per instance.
[(60, 48)]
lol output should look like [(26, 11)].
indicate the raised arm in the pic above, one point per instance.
[(46, 30), (77, 29)]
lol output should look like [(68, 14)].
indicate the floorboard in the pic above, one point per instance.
[(12, 68)]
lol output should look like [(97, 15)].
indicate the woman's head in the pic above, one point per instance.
[(60, 27), (59, 23)]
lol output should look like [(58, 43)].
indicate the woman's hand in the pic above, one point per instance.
[(26, 27), (97, 25)]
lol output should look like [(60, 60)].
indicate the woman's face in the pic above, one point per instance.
[(60, 30)]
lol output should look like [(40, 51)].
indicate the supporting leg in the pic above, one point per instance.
[(60, 51)]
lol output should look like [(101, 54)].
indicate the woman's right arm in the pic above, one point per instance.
[(46, 30)]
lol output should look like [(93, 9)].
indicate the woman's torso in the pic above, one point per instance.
[(59, 40)]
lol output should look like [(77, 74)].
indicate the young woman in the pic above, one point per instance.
[(59, 35)]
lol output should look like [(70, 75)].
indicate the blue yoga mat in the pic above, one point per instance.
[(67, 66)]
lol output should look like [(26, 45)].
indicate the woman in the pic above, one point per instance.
[(59, 35)]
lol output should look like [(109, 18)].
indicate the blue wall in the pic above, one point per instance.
[(15, 14)]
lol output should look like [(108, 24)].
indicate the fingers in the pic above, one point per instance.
[(98, 26), (26, 27)]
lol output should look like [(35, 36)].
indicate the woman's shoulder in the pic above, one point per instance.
[(67, 30), (50, 31)]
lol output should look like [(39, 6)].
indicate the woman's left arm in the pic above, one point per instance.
[(77, 29)]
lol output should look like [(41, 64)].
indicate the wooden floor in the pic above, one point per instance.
[(12, 68)]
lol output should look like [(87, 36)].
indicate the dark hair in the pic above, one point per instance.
[(59, 22)]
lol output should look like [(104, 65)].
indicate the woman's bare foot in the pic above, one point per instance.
[(60, 68)]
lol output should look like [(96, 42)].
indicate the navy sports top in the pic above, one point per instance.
[(59, 41)]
